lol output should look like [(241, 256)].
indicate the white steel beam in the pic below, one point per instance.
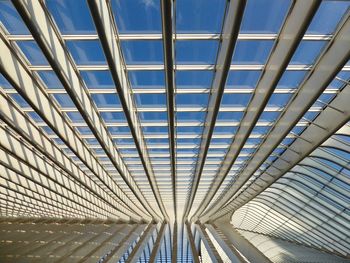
[(213, 253), (141, 244), (231, 27), (167, 9)]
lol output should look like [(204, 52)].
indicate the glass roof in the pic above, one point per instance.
[(179, 123)]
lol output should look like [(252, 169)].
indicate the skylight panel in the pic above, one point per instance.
[(11, 19), (71, 17), (153, 116), (291, 79), (149, 100), (75, 117), (64, 100), (138, 16), (235, 100), (192, 100), (19, 100), (32, 52), (230, 116), (50, 79), (119, 130), (98, 79), (264, 16), (252, 51), (192, 16), (142, 52), (307, 52), (193, 79), (147, 79), (196, 51), (190, 116), (81, 51), (242, 79), (278, 100), (106, 100), (328, 16), (4, 83), (113, 117)]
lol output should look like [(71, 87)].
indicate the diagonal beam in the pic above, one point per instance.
[(117, 252), (168, 47), (319, 131), (48, 38), (213, 253), (295, 25), (230, 250), (157, 244), (141, 244), (174, 248), (21, 123), (107, 31), (229, 36), (195, 255), (242, 248), (331, 61)]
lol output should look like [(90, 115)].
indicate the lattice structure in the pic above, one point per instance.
[(175, 131)]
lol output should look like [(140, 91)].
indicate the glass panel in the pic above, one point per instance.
[(64, 100), (98, 79), (110, 117), (234, 100), (291, 79), (119, 130), (4, 83), (150, 130), (278, 100), (137, 16), (75, 116), (242, 79), (196, 100), (153, 116), (32, 52), (142, 52), (19, 100), (157, 100), (106, 100), (191, 116), (264, 16), (50, 79), (328, 16), (252, 51), (11, 19), (72, 17), (307, 52), (192, 130), (35, 116), (230, 116), (194, 79), (225, 129), (269, 116), (196, 51), (81, 51), (192, 16), (147, 79)]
